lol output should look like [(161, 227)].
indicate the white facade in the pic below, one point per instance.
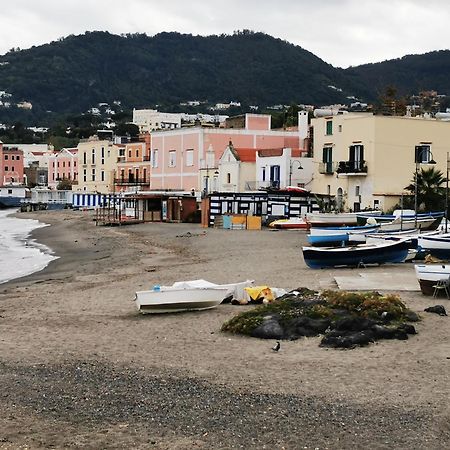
[(279, 170), (150, 119)]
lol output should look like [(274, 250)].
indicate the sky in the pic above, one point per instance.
[(341, 32)]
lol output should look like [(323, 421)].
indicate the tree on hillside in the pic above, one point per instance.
[(430, 190), (389, 104)]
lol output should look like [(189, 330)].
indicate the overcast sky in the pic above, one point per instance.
[(341, 32)]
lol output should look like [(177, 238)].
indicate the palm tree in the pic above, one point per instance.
[(430, 192)]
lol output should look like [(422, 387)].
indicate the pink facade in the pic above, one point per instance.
[(11, 165), (62, 165), (182, 159), (133, 167)]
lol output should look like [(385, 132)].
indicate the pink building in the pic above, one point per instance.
[(62, 165), (186, 158), (11, 166)]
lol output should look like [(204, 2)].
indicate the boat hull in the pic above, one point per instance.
[(437, 245), (391, 252), (169, 300), (429, 274)]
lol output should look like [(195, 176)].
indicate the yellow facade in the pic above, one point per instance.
[(97, 161), (366, 161)]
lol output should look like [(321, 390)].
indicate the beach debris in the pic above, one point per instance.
[(189, 234), (276, 347), (438, 309), (344, 319)]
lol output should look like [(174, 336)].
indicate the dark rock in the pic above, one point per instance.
[(351, 340), (407, 328), (353, 323), (269, 329), (411, 316), (438, 309)]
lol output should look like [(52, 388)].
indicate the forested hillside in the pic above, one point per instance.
[(73, 74)]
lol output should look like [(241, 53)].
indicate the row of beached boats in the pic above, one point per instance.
[(377, 242)]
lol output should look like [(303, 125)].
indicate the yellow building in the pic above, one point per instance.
[(97, 161), (366, 161)]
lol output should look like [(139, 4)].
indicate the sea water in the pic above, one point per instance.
[(19, 254)]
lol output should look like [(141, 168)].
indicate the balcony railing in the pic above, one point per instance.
[(131, 181), (352, 167), (326, 168)]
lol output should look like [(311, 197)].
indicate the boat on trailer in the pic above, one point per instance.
[(356, 255), (192, 295)]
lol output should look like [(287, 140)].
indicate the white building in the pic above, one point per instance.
[(151, 119)]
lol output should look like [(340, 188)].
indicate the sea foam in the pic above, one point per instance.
[(20, 255)]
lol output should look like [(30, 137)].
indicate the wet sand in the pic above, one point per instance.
[(81, 368)]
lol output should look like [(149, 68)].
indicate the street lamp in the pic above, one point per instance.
[(291, 166), (420, 153)]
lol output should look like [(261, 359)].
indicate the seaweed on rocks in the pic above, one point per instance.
[(345, 319)]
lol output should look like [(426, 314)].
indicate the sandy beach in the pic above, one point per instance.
[(80, 368)]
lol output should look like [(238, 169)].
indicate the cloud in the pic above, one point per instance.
[(341, 32)]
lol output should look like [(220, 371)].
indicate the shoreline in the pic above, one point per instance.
[(78, 313)]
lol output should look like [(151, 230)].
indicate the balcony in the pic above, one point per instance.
[(352, 168), (132, 181), (326, 168)]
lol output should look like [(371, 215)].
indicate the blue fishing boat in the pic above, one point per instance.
[(338, 235), (356, 255)]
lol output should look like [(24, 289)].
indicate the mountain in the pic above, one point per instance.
[(75, 73), (410, 75)]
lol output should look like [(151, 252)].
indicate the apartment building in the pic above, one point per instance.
[(11, 165), (63, 165), (186, 159), (97, 163), (366, 161)]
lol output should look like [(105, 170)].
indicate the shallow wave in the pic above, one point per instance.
[(20, 255)]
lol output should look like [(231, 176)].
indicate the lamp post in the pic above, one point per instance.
[(291, 166), (420, 152), (446, 194)]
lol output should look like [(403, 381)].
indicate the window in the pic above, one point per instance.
[(422, 153), (121, 152), (356, 157), (129, 153), (74, 164), (329, 127), (12, 169), (229, 178), (172, 158), (6, 169), (137, 153), (93, 156), (155, 158), (103, 152), (57, 164), (189, 158), (93, 174), (9, 191), (6, 157), (84, 158), (340, 128), (103, 175), (84, 176), (64, 164), (17, 157), (275, 176), (263, 175), (357, 190), (327, 159)]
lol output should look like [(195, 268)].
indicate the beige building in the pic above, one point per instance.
[(97, 161), (366, 161)]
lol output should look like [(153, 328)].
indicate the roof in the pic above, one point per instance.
[(246, 154)]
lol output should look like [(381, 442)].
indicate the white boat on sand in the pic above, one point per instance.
[(192, 295), (429, 274)]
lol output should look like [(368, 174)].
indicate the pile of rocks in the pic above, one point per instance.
[(345, 320)]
